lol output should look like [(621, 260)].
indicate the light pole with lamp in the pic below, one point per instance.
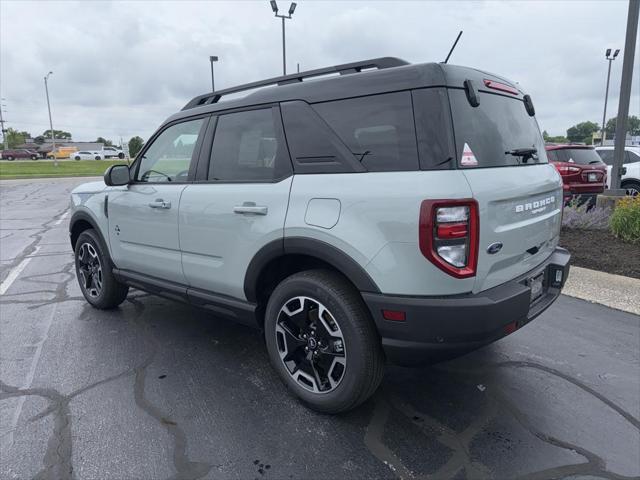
[(606, 94), (212, 58), (53, 137), (292, 8)]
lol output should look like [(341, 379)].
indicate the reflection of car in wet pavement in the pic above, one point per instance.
[(156, 389)]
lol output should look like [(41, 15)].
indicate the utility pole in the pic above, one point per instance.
[(212, 58), (2, 122), (292, 8), (625, 92), (606, 93), (53, 137)]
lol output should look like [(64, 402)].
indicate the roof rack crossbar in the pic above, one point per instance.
[(344, 69)]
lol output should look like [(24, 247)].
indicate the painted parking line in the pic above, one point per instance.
[(15, 273), (61, 219)]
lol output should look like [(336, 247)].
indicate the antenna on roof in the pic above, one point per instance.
[(454, 46)]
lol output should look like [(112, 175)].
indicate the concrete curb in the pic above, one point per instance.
[(615, 291)]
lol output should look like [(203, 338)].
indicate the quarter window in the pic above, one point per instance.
[(168, 158), (379, 130), (248, 148)]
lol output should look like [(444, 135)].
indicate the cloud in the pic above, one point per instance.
[(121, 68)]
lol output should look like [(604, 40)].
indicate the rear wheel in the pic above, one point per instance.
[(93, 270), (632, 188), (322, 341), (76, 158), (10, 158), (97, 157), (34, 157), (121, 156)]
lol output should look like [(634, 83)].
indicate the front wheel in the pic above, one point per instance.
[(97, 157), (322, 341), (34, 157), (93, 270), (76, 158), (10, 158), (121, 156), (632, 188)]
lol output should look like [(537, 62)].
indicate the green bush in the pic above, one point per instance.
[(625, 221)]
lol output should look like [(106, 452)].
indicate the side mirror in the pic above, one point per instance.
[(117, 175)]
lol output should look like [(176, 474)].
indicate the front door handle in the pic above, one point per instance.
[(251, 208), (159, 203)]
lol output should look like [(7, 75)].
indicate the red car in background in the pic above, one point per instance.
[(584, 174)]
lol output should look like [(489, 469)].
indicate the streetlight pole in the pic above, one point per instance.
[(53, 137), (212, 58), (2, 122), (606, 93), (625, 91), (292, 8)]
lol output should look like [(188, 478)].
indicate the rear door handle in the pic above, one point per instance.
[(251, 208), (159, 203)]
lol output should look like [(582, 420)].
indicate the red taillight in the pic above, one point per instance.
[(566, 169), (500, 86), (452, 230), (448, 235)]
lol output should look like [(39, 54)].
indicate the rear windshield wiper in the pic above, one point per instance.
[(525, 153)]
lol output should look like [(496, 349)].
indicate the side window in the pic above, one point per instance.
[(248, 147), (379, 129), (168, 158), (606, 156), (630, 157)]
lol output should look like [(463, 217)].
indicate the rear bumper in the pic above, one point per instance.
[(438, 328)]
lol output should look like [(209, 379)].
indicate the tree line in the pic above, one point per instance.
[(14, 138), (583, 131)]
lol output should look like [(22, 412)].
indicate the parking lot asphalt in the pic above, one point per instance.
[(157, 389)]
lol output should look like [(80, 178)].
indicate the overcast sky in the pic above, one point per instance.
[(120, 68)]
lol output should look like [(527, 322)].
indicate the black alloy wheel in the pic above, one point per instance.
[(310, 344)]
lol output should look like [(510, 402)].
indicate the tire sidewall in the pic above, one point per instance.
[(90, 236), (355, 363)]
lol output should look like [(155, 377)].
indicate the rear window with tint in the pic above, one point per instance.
[(379, 130), (498, 125), (581, 156)]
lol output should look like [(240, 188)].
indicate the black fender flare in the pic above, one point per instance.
[(310, 247), (81, 215)]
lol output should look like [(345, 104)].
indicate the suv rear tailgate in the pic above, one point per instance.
[(521, 208)]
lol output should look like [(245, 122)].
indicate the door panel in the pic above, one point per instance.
[(217, 242), (239, 203), (143, 217), (144, 238)]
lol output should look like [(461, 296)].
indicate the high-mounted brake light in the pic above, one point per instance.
[(500, 86), (448, 235)]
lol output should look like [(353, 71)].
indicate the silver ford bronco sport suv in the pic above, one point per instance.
[(382, 212)]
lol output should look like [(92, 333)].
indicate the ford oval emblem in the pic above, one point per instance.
[(494, 248)]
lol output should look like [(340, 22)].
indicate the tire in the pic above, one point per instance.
[(97, 157), (10, 158), (76, 158), (121, 156), (34, 157), (632, 188), (98, 285), (354, 336), (50, 157)]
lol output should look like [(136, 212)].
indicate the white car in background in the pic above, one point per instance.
[(112, 152), (87, 155), (631, 162)]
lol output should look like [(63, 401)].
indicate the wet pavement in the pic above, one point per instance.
[(157, 389)]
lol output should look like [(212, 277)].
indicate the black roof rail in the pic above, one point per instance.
[(346, 68)]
